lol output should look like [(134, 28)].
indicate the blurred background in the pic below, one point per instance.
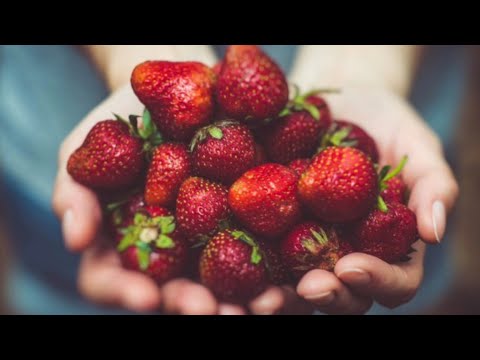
[(446, 93)]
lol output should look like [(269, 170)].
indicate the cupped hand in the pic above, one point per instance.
[(359, 279), (102, 279)]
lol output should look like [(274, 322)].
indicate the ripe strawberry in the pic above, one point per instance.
[(340, 185), (277, 271), (179, 95), (395, 191), (312, 246), (387, 235), (299, 165), (344, 133), (217, 68), (296, 133), (201, 206), (151, 244), (231, 265), (251, 86), (223, 151), (170, 166), (264, 199), (110, 158)]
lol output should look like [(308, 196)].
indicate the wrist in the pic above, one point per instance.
[(339, 66)]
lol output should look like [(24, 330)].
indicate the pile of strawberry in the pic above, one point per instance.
[(226, 180)]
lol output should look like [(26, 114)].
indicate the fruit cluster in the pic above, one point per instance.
[(228, 180)]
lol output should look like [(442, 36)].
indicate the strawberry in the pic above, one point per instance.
[(217, 68), (395, 191), (251, 86), (151, 244), (110, 158), (388, 234), (232, 267), (223, 151), (299, 165), (277, 271), (179, 95), (201, 206), (344, 133), (340, 185), (170, 166), (312, 246), (264, 199), (296, 133)]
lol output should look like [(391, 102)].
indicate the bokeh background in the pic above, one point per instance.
[(446, 92)]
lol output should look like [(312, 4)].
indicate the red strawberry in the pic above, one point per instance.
[(387, 235), (312, 246), (344, 133), (223, 151), (231, 265), (179, 95), (110, 158), (201, 206), (151, 244), (264, 199), (297, 132), (299, 165), (251, 86), (340, 185), (170, 166), (277, 271), (217, 68), (395, 191)]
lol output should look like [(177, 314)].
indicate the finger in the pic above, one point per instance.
[(79, 211), (434, 189), (230, 309), (279, 300), (103, 280), (389, 284), (330, 295), (184, 297)]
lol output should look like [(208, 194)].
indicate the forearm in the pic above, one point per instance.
[(116, 62), (337, 66)]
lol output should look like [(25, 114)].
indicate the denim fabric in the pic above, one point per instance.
[(46, 90)]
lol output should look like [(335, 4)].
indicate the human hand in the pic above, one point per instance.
[(102, 279), (360, 279)]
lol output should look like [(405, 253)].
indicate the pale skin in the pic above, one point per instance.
[(374, 82)]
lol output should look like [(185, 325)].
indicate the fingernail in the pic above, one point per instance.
[(324, 298), (67, 223), (438, 219), (357, 277)]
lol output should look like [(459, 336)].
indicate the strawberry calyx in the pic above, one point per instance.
[(384, 176), (317, 243), (146, 234), (299, 102), (214, 131), (337, 137), (202, 239), (144, 129), (256, 256)]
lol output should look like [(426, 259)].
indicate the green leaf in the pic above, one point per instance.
[(127, 241), (256, 257), (166, 223), (338, 136), (157, 138), (397, 170), (237, 234), (384, 172), (381, 205), (284, 112), (143, 254), (139, 219), (164, 242), (147, 125), (321, 238), (119, 118), (313, 110), (215, 132)]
